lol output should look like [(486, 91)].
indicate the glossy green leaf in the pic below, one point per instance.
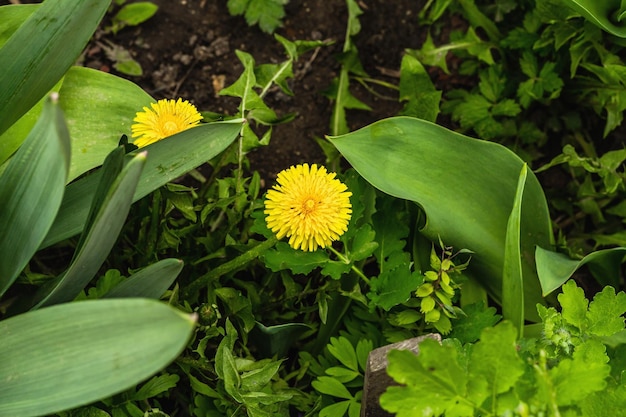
[(168, 159), (69, 355), (610, 15), (31, 191), (99, 109), (276, 340), (512, 278), (150, 282), (555, 268), (466, 188), (43, 48), (99, 238)]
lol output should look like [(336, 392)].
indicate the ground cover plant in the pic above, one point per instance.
[(148, 268)]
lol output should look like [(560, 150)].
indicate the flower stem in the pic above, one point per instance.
[(346, 261), (232, 265)]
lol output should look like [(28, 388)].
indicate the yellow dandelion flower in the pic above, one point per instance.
[(166, 118), (309, 206)]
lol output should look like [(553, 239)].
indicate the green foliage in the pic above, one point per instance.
[(564, 372), (268, 14)]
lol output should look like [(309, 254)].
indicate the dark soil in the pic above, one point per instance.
[(188, 50)]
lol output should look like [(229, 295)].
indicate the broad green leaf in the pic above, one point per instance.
[(169, 159), (11, 17), (606, 14), (150, 282), (555, 268), (466, 188), (512, 278), (42, 50), (99, 109), (98, 239), (156, 386), (73, 354), (31, 191), (276, 340)]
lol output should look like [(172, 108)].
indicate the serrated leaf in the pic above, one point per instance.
[(574, 305), (585, 373), (283, 256), (267, 14), (417, 90), (468, 328), (495, 360), (606, 312), (394, 286), (434, 380)]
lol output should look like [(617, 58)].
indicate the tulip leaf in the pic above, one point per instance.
[(31, 191), (107, 219), (150, 282), (465, 186), (99, 109), (512, 279), (41, 50), (69, 355), (606, 14), (555, 268)]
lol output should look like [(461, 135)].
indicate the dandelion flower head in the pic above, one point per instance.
[(165, 118), (309, 206)]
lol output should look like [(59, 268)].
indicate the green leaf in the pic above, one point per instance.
[(99, 109), (133, 14), (268, 14), (417, 90), (69, 355), (169, 159), (342, 349), (284, 257), (395, 285), (585, 373), (12, 16), (42, 50), (512, 278), (330, 386), (468, 328), (100, 235), (606, 14), (495, 360), (434, 380), (416, 160), (150, 282), (276, 340), (555, 268), (155, 386), (606, 312), (31, 191)]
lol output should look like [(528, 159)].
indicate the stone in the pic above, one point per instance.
[(376, 378)]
